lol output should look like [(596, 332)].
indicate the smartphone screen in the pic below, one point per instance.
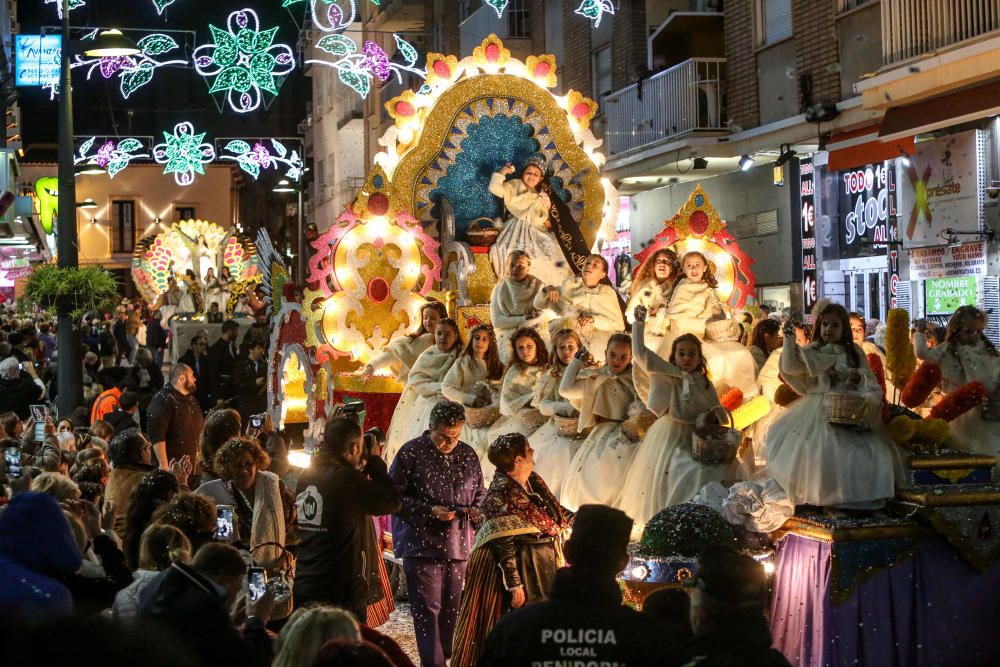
[(257, 421), (256, 583), (12, 459), (224, 530)]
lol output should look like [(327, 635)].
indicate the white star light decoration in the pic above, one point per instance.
[(595, 10), (243, 62)]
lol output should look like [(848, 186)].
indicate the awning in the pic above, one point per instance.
[(955, 108), (859, 147)]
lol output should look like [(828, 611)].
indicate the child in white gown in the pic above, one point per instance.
[(517, 415), (597, 471), (815, 462), (652, 289), (663, 471), (554, 451), (512, 303), (423, 387), (477, 367), (966, 355), (400, 354)]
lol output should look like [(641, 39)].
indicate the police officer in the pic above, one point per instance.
[(583, 621)]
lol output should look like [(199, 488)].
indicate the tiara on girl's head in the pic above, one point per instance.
[(536, 161)]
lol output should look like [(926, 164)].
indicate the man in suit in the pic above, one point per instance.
[(250, 380), (221, 363)]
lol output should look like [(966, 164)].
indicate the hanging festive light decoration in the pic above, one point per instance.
[(595, 10), (162, 5), (253, 159), (183, 153), (358, 69), (498, 6), (133, 72), (73, 4), (113, 155), (243, 62), (327, 15)]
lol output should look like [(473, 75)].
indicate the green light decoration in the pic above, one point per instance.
[(498, 6), (113, 154), (595, 10), (162, 5), (47, 191), (184, 153), (357, 69), (253, 159), (243, 62), (133, 72)]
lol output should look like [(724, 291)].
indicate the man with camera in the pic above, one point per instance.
[(337, 496)]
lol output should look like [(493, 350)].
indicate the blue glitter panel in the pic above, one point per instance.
[(488, 144)]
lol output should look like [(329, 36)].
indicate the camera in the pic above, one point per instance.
[(256, 583), (257, 421), (225, 531)]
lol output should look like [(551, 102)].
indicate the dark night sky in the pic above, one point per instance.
[(174, 94)]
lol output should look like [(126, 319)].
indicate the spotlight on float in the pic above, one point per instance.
[(746, 162)]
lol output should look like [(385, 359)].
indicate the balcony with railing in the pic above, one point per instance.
[(681, 100), (911, 28)]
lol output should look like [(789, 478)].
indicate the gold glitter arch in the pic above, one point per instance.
[(409, 176)]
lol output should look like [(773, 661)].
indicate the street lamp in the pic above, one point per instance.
[(70, 378), (284, 186)]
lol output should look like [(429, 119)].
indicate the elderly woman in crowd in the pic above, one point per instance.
[(518, 547)]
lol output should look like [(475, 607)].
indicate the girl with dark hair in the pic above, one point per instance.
[(401, 353), (473, 381), (766, 338), (220, 427), (597, 471), (663, 471), (652, 288), (966, 355), (553, 450), (529, 227), (694, 302), (812, 460), (156, 489), (529, 360), (423, 387)]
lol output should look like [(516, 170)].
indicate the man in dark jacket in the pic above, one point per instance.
[(338, 556), (192, 603), (19, 389), (196, 360), (176, 421), (583, 621), (442, 485), (220, 363), (728, 597), (156, 337), (250, 380), (123, 417)]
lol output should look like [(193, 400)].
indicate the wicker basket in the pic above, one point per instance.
[(483, 417), (714, 445), (568, 427), (481, 232), (635, 427), (850, 409), (721, 330), (532, 418)]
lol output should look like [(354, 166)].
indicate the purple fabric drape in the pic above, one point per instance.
[(930, 609)]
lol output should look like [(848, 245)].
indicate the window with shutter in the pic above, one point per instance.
[(755, 224), (774, 20), (989, 300), (602, 71)]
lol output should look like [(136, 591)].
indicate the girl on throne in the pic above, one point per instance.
[(530, 202)]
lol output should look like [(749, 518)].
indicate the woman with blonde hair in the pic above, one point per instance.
[(308, 629), (161, 545)]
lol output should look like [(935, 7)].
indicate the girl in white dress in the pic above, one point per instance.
[(587, 305), (554, 452), (768, 381), (423, 387), (399, 355), (597, 471), (529, 228), (479, 364), (868, 347), (512, 303), (652, 289), (765, 339), (517, 415), (966, 355), (663, 471), (815, 462)]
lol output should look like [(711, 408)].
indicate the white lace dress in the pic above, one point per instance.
[(400, 354), (527, 230), (515, 402), (422, 392), (553, 452), (510, 304), (458, 386)]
